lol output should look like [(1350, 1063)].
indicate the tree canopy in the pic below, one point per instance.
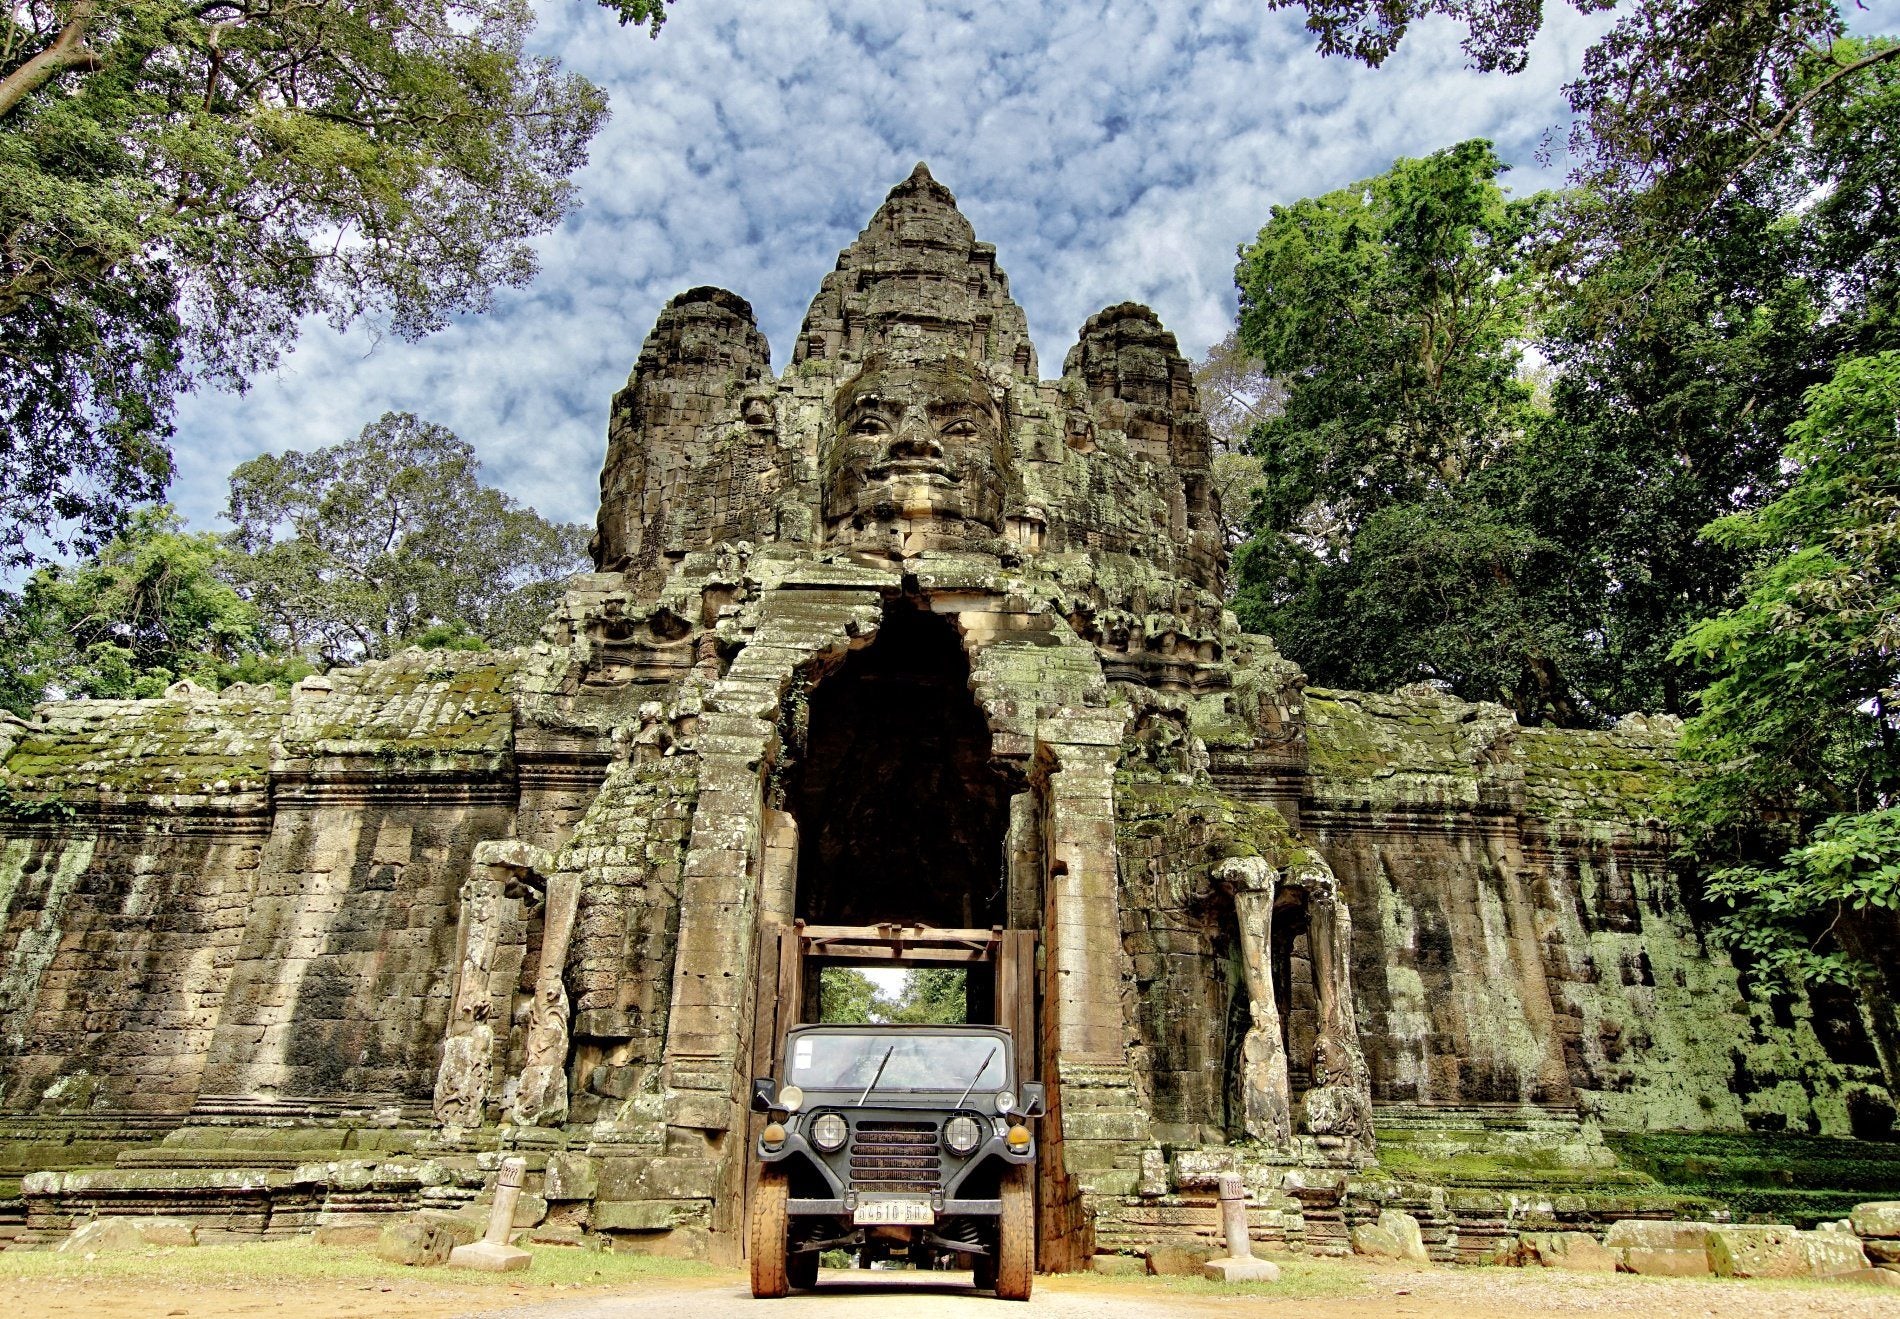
[(1797, 805), (150, 608), (1389, 544), (354, 550), (1674, 107), (182, 182)]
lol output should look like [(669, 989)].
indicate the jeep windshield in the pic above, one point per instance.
[(849, 1061)]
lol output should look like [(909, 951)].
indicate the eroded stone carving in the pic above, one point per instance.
[(541, 1099), (461, 1086), (1267, 1115), (1339, 1106), (918, 459)]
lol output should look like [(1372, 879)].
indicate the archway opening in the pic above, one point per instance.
[(902, 816)]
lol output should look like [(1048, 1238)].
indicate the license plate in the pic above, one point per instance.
[(894, 1213)]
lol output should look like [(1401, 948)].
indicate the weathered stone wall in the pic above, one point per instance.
[(1181, 947), (126, 879), (1523, 935), (122, 946), (243, 899), (446, 903)]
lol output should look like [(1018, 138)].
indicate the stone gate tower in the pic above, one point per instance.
[(907, 634)]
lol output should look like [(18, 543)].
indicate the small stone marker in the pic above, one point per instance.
[(492, 1253), (1239, 1265)]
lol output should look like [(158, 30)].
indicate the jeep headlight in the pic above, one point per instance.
[(962, 1134), (790, 1098), (828, 1132), (1005, 1102)]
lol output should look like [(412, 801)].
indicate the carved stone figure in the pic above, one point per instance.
[(918, 459), (1339, 1105), (461, 1086), (1263, 1078), (541, 1099)]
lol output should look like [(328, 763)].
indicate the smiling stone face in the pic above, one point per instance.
[(917, 459)]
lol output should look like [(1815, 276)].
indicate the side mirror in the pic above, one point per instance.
[(764, 1090), (1035, 1099)]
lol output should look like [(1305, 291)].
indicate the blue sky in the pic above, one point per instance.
[(1111, 150)]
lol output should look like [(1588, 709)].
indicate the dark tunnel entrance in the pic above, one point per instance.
[(901, 815)]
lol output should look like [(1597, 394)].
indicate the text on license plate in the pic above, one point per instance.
[(893, 1213)]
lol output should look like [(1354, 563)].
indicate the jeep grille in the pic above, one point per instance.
[(895, 1156)]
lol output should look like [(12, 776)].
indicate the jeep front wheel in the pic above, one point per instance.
[(769, 1279), (1016, 1237)]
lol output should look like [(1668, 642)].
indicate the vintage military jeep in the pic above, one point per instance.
[(896, 1137)]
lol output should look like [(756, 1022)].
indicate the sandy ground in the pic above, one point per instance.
[(1369, 1292), (1438, 1294)]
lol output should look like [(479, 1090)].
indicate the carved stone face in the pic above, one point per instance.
[(917, 459)]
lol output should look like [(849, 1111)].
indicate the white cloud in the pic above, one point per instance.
[(1111, 150)]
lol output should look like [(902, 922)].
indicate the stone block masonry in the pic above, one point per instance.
[(906, 634)]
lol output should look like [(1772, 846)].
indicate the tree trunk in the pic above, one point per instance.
[(68, 51), (1870, 937)]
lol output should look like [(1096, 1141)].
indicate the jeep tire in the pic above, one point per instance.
[(1016, 1237), (768, 1235)]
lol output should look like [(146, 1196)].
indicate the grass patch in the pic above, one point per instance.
[(1302, 1278), (1768, 1177), (267, 1263)]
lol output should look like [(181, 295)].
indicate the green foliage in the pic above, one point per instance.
[(1556, 573), (354, 550), (183, 182), (1675, 106), (1391, 544), (148, 609), (452, 635), (1391, 309), (846, 997), (1797, 807), (1498, 32), (47, 808), (932, 996)]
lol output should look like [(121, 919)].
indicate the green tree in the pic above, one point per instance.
[(1236, 395), (1392, 309), (932, 996), (358, 549), (150, 608), (1674, 108), (1796, 808), (1674, 382), (847, 997), (183, 181), (1390, 545)]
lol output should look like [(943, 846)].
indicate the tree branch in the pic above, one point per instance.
[(1781, 126), (68, 51)]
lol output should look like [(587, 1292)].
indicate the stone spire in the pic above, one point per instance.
[(704, 347), (917, 286)]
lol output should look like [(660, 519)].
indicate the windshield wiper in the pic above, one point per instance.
[(984, 1067), (876, 1076)]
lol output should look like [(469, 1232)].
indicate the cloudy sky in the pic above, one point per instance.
[(1111, 149)]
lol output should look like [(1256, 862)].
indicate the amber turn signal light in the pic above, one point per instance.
[(1018, 1138), (773, 1137)]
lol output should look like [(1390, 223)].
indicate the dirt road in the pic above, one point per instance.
[(303, 1282), (1373, 1294)]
